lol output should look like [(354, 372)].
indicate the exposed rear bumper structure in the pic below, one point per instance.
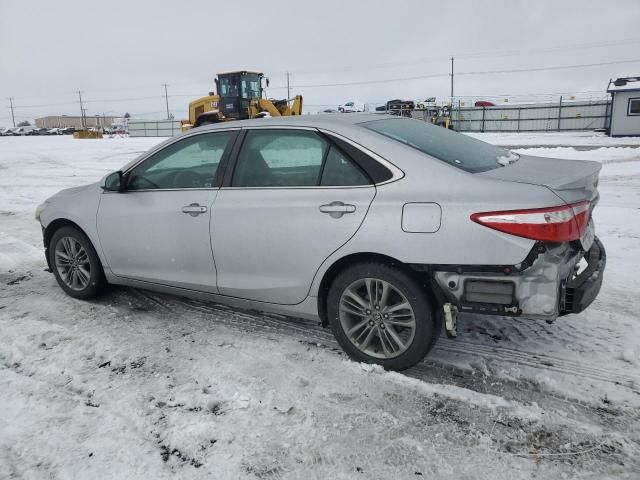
[(544, 287), (579, 292)]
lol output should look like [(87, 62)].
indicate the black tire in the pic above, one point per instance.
[(426, 324), (96, 281)]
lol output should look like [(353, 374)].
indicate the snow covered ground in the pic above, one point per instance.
[(142, 385), (581, 140)]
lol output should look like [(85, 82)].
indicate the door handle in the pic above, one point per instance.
[(194, 209), (337, 209)]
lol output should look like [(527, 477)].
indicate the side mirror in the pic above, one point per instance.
[(114, 182)]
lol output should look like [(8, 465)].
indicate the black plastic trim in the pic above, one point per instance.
[(376, 172), (579, 292), (232, 159), (531, 257)]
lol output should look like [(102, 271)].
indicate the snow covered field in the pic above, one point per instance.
[(142, 385)]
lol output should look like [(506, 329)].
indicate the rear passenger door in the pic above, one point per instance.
[(292, 199)]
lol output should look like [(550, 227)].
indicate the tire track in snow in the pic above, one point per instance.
[(537, 360), (311, 332)]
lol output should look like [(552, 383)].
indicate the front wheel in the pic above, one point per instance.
[(380, 314), (75, 263)]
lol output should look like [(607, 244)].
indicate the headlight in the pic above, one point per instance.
[(40, 209)]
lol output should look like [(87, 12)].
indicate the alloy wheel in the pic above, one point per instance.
[(377, 318), (72, 263)]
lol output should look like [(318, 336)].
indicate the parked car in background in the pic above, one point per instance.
[(67, 131), (22, 131), (121, 129), (39, 131), (398, 107), (484, 103), (351, 107), (6, 132), (426, 103), (383, 239)]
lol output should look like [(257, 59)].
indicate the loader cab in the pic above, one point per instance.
[(236, 91)]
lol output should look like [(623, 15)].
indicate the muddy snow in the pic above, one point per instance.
[(142, 385)]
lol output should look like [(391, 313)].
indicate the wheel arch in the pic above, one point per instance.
[(56, 225), (423, 278)]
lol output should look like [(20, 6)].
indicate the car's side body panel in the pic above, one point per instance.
[(269, 242), (308, 308), (157, 241)]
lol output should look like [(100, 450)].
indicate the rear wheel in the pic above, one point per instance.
[(379, 314), (75, 263)]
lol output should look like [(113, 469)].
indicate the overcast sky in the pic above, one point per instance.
[(120, 53)]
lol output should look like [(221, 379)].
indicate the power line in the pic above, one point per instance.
[(482, 54), (130, 99), (561, 48), (416, 61), (486, 72), (557, 67)]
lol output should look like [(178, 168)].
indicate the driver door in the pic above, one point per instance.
[(157, 230)]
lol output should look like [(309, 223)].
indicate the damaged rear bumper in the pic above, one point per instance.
[(545, 286), (579, 292)]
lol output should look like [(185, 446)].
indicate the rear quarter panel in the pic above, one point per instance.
[(458, 240)]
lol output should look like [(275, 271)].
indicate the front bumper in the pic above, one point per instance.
[(579, 292)]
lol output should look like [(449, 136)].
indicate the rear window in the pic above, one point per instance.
[(457, 149)]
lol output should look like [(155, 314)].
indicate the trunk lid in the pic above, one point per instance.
[(571, 180)]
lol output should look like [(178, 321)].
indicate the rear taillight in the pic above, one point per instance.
[(553, 224)]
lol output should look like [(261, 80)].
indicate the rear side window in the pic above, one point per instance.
[(340, 171), (279, 158), (634, 106), (457, 149), (293, 158)]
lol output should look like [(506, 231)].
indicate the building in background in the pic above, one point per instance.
[(625, 110), (63, 121)]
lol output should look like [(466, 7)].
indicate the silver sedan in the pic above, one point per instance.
[(384, 228)]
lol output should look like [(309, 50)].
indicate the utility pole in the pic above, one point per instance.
[(288, 92), (166, 100), (451, 82), (81, 111), (559, 112), (13, 119)]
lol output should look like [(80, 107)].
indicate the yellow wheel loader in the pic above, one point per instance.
[(239, 97)]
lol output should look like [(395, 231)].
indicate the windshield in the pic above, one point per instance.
[(459, 150)]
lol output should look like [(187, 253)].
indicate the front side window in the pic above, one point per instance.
[(290, 158), (189, 163), (457, 149), (634, 107)]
